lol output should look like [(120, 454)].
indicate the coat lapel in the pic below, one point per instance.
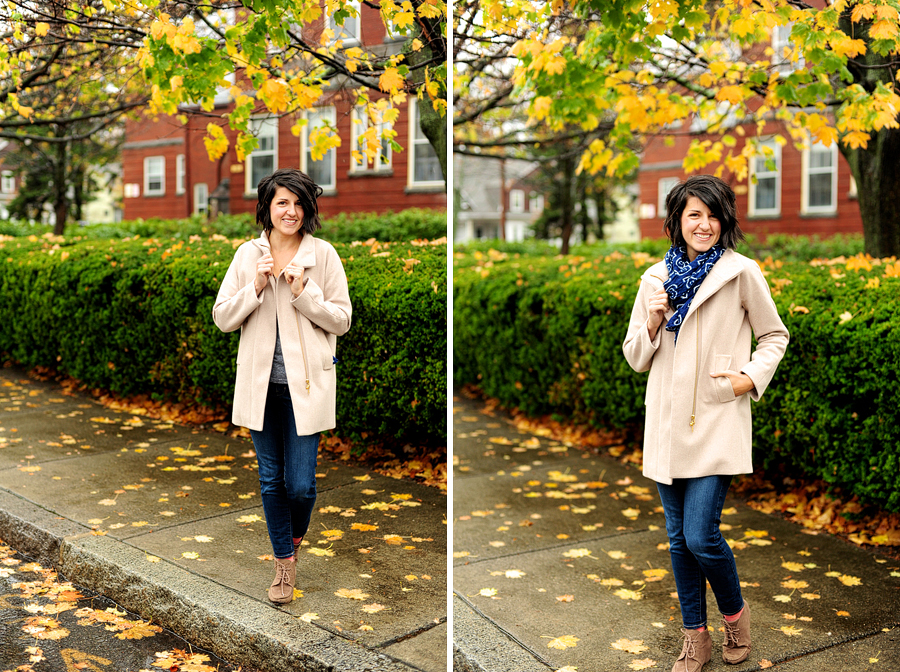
[(727, 268), (306, 253)]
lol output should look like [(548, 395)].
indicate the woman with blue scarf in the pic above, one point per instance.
[(691, 328)]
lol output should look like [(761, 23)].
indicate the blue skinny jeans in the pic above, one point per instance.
[(287, 471), (693, 508)]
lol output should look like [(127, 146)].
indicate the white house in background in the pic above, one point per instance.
[(105, 206), (482, 202)]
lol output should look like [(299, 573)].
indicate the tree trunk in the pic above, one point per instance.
[(60, 202), (433, 124), (504, 199), (876, 170), (566, 203)]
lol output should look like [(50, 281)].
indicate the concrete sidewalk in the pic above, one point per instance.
[(559, 554), (167, 521)]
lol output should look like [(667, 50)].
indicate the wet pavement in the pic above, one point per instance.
[(167, 521), (561, 562), (53, 625)]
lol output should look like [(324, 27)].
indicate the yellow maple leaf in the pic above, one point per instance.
[(641, 664), (792, 566), (730, 93), (791, 630), (626, 594), (351, 593), (793, 584), (363, 527), (630, 645), (850, 580), (883, 29), (564, 642), (391, 81), (41, 29)]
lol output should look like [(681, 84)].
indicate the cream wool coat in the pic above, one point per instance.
[(308, 326), (715, 336)]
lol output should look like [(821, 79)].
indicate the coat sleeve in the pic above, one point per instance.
[(638, 347), (771, 334), (327, 306), (237, 298)]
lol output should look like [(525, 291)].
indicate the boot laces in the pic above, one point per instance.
[(282, 577), (689, 651), (731, 633)]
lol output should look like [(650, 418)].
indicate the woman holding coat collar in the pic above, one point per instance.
[(691, 328), (287, 293)]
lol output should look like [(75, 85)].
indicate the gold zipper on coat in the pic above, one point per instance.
[(302, 350), (696, 372)]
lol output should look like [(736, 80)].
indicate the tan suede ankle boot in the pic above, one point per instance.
[(282, 589), (737, 638), (696, 652)]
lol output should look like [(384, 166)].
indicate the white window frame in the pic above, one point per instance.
[(179, 175), (781, 38), (809, 171), (201, 196), (8, 182), (536, 202), (258, 125), (348, 37), (359, 124), (516, 200), (765, 174), (662, 192), (148, 161), (331, 155), (414, 142)]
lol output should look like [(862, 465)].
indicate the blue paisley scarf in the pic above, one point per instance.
[(685, 278)]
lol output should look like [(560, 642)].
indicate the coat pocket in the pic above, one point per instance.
[(724, 389), (324, 349)]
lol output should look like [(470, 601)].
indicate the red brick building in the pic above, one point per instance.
[(808, 192), (805, 192), (167, 171)]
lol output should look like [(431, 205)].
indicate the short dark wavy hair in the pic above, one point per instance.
[(298, 183), (716, 195)]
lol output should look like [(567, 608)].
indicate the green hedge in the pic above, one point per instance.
[(135, 316), (545, 334), (781, 246), (410, 224)]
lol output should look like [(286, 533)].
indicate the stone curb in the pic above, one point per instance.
[(240, 630), (480, 646)]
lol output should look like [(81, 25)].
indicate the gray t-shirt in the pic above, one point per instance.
[(278, 375)]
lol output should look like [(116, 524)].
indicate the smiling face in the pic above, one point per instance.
[(699, 227), (286, 213)]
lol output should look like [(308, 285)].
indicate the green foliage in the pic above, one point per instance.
[(410, 224), (135, 316), (545, 334)]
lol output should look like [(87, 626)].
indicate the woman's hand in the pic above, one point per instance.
[(294, 276), (264, 268), (658, 305), (741, 383)]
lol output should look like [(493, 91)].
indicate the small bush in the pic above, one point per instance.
[(545, 334), (135, 316)]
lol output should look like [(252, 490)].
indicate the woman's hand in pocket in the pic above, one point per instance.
[(741, 383)]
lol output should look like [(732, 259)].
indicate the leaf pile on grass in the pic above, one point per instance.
[(819, 506)]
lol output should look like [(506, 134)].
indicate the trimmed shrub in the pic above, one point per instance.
[(410, 224), (135, 316), (545, 335)]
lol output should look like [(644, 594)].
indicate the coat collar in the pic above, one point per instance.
[(727, 268), (306, 253)]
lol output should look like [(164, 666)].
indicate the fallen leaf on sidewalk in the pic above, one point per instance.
[(641, 664), (791, 630), (630, 645), (564, 642), (351, 593), (309, 617), (565, 598)]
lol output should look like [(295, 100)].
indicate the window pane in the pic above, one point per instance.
[(262, 166), (820, 190), (820, 158), (320, 171), (428, 168), (765, 193)]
